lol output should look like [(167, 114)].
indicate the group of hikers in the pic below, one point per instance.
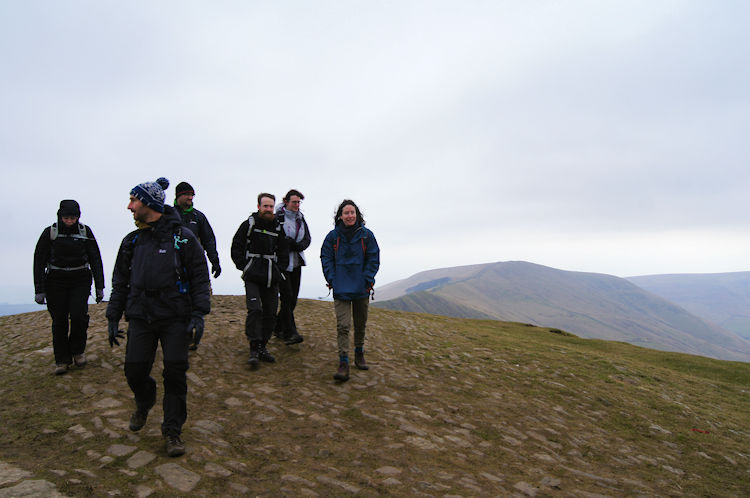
[(161, 284)]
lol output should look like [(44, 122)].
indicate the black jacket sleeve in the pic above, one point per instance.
[(121, 279), (94, 259), (239, 249), (305, 242), (208, 239), (41, 258), (195, 264)]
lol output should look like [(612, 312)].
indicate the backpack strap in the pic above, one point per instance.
[(251, 256), (54, 232)]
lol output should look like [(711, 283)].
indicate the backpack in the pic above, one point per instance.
[(54, 233), (183, 286), (271, 258)]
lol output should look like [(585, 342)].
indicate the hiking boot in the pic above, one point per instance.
[(359, 360), (193, 346), (80, 360), (253, 360), (175, 446), (61, 368), (138, 420), (342, 374), (294, 338), (264, 355)]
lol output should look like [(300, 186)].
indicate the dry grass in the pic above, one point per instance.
[(456, 407)]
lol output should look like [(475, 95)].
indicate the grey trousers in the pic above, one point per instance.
[(345, 311)]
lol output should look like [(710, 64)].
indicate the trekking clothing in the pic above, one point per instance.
[(286, 326), (65, 261), (197, 222), (148, 269), (140, 353), (346, 311), (160, 281), (297, 234), (259, 250), (69, 309), (350, 258), (298, 239), (261, 303)]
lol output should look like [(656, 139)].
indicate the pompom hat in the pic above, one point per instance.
[(152, 193)]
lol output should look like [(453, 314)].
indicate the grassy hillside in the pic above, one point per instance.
[(449, 407), (590, 305), (722, 298)]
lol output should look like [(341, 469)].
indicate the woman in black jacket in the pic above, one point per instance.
[(65, 259)]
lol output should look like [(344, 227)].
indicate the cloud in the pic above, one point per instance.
[(573, 122)]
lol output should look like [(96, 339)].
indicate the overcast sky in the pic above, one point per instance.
[(601, 136)]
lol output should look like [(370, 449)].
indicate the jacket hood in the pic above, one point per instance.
[(169, 219)]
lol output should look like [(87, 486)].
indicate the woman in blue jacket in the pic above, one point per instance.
[(350, 257)]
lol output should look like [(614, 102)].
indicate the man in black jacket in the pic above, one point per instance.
[(197, 222), (160, 281), (65, 259), (259, 250)]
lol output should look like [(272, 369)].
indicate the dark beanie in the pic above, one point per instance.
[(152, 193), (182, 189), (69, 207)]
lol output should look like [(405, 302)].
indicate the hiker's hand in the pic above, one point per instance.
[(99, 295), (197, 323), (114, 333), (40, 298), (216, 270)]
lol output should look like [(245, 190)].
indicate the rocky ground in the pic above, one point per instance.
[(440, 413)]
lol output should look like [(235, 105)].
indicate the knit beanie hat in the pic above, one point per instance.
[(182, 189), (152, 193), (69, 207)]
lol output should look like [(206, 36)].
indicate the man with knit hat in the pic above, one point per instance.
[(197, 222), (161, 283)]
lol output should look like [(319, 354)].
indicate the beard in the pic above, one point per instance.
[(267, 216)]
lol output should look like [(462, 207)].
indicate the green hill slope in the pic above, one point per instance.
[(590, 305), (449, 407)]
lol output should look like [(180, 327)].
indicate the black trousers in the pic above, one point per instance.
[(143, 339), (68, 306), (288, 294), (261, 303)]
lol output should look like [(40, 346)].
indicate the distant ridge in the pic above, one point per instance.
[(721, 298), (591, 305), (14, 309)]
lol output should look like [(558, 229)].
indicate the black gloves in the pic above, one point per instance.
[(39, 298), (216, 270), (114, 332), (196, 322), (99, 295)]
